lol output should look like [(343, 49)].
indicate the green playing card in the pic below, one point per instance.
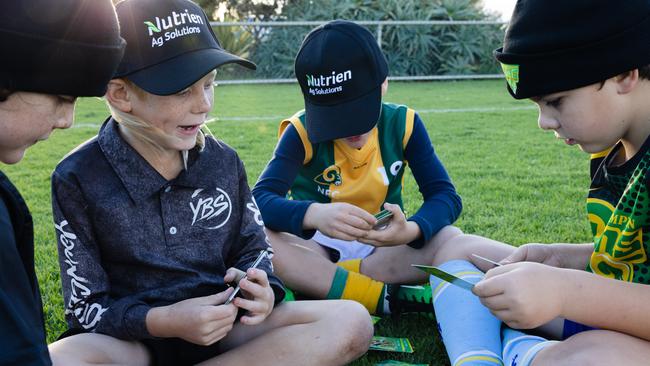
[(393, 362), (391, 344), (445, 276)]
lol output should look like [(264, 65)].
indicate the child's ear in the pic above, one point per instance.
[(627, 81), (118, 95)]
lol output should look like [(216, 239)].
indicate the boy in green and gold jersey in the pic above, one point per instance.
[(586, 65), (337, 164)]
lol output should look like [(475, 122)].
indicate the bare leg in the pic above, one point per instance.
[(596, 347), (393, 264), (302, 265), (301, 333), (97, 349), (463, 246)]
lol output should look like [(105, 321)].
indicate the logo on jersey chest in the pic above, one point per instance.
[(211, 209), (618, 241)]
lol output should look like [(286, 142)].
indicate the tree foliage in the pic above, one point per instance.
[(410, 50)]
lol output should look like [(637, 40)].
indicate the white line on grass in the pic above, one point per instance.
[(278, 118)]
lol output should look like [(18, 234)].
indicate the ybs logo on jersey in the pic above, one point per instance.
[(210, 209), (331, 175)]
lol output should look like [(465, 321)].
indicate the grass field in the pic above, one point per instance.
[(517, 182)]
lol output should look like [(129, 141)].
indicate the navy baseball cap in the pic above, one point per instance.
[(170, 45), (340, 69)]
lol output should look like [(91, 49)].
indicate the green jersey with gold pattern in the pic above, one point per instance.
[(619, 210), (332, 171)]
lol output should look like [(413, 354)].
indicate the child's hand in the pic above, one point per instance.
[(533, 252), (398, 232), (258, 296), (339, 220), (523, 295), (575, 256), (199, 320)]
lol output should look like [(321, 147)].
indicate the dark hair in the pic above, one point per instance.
[(4, 94), (644, 72)]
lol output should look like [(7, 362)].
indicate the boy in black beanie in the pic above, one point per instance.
[(52, 52), (586, 65)]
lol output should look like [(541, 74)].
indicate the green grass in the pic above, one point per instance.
[(518, 183)]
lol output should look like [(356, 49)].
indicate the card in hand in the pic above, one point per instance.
[(445, 276), (383, 218)]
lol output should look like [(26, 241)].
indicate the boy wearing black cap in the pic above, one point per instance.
[(342, 160), (154, 217), (586, 64), (51, 53)]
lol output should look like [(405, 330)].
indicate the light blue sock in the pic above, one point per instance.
[(471, 334), (519, 349)]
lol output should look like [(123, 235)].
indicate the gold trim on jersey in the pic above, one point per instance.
[(302, 132)]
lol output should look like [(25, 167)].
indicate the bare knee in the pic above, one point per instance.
[(584, 349), (358, 330)]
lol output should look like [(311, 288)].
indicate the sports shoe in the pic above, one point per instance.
[(404, 299)]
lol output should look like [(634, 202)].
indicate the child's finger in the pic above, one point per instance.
[(252, 306), (257, 276), (252, 319), (252, 290), (233, 275), (363, 215)]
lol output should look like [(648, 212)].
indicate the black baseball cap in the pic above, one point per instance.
[(556, 45), (170, 45), (67, 47), (340, 69)]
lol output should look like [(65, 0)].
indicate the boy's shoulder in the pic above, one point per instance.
[(85, 155)]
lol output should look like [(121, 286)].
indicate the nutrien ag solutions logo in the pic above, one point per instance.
[(179, 25), (321, 84)]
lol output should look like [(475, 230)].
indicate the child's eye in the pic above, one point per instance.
[(555, 103)]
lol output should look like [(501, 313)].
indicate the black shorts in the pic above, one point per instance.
[(169, 351)]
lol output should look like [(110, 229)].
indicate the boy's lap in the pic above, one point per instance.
[(76, 345)]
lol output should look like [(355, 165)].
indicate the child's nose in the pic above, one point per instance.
[(546, 122)]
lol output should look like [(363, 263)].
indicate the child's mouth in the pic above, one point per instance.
[(189, 130)]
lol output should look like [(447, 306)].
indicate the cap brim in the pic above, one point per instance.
[(173, 75), (352, 118)]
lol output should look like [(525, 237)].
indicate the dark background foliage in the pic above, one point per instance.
[(410, 49)]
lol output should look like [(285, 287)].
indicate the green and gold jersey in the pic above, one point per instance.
[(367, 177), (619, 209)]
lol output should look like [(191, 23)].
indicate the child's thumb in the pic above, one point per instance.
[(518, 255)]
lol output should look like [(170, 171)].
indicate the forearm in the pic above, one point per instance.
[(574, 256), (606, 303)]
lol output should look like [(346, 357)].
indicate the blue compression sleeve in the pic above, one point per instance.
[(471, 334), (519, 349)]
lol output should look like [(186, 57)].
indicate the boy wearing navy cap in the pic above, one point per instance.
[(586, 64), (339, 162), (154, 218)]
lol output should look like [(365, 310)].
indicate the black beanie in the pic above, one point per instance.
[(556, 45), (69, 47)]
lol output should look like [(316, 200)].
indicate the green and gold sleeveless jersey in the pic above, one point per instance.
[(619, 209), (334, 172)]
